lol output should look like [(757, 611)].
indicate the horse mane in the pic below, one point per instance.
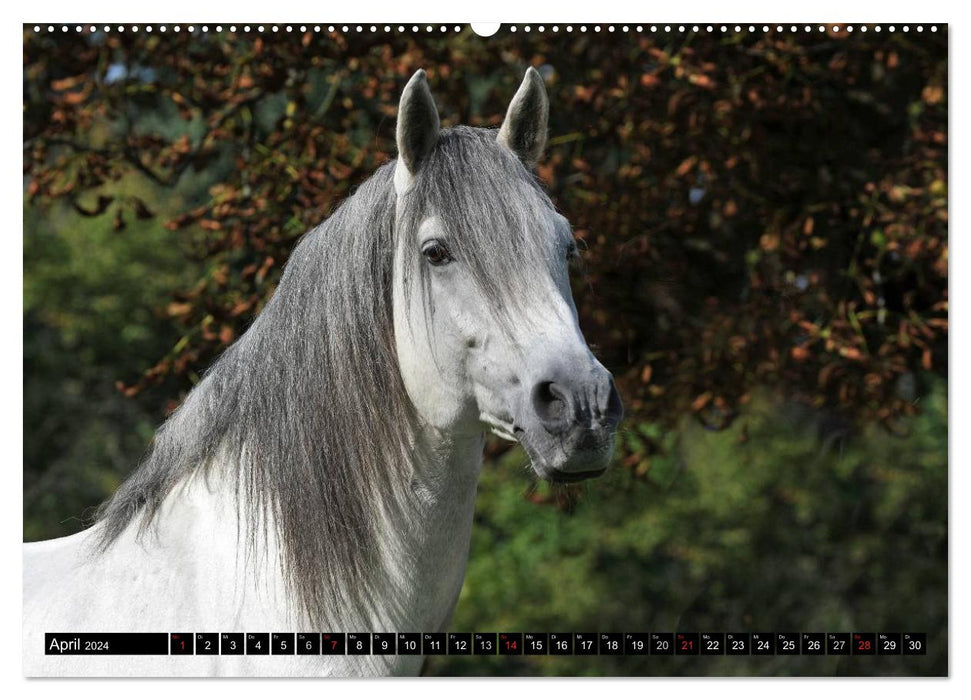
[(310, 403)]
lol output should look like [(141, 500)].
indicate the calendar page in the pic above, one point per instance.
[(543, 349)]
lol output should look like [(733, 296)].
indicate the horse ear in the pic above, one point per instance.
[(524, 129), (418, 125)]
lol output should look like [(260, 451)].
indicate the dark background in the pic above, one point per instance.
[(764, 224)]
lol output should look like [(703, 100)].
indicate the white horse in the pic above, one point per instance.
[(322, 476)]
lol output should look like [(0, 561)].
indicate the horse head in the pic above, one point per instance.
[(485, 325)]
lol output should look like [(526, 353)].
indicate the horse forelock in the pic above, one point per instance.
[(494, 214)]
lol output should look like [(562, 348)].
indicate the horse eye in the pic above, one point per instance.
[(436, 253), (572, 252)]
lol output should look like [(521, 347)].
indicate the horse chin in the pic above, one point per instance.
[(572, 478), (555, 465)]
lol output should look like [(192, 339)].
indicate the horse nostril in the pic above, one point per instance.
[(551, 406)]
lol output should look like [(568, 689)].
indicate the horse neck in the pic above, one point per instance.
[(423, 555), (426, 553)]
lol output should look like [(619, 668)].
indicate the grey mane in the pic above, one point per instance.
[(309, 405)]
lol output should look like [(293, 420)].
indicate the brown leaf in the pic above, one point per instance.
[(686, 165), (701, 401), (178, 309), (799, 354), (68, 83)]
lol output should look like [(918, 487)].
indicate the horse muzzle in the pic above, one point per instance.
[(570, 423)]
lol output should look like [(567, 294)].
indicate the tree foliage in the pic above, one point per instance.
[(759, 209)]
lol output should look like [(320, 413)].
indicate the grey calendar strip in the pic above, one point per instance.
[(488, 643)]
